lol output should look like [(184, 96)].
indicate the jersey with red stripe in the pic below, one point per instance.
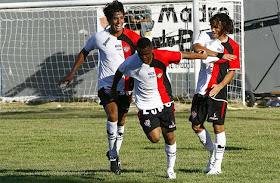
[(112, 52), (152, 86), (213, 70)]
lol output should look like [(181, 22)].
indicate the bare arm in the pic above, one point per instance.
[(117, 78), (80, 59), (198, 48), (191, 55), (217, 87)]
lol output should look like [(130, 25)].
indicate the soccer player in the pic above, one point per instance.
[(210, 100), (115, 44), (153, 94)]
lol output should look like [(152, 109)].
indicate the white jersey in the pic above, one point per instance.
[(152, 87), (112, 52)]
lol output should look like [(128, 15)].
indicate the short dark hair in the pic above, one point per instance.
[(111, 8), (227, 23), (143, 43)]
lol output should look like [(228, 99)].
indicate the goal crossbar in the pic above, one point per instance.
[(78, 3)]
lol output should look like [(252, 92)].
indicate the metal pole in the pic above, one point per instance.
[(196, 31)]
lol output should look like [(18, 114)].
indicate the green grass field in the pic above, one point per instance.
[(68, 145)]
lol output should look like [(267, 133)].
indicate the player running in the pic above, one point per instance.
[(153, 94), (115, 44), (210, 100)]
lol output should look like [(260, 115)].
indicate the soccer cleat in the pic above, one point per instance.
[(211, 162), (115, 164), (170, 174), (215, 171)]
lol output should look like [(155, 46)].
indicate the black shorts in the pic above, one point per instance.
[(158, 117), (204, 107), (122, 101)]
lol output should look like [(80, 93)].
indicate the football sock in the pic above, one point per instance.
[(112, 128), (171, 155), (220, 148), (205, 139), (119, 138)]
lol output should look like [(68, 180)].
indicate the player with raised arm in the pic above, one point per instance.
[(115, 44), (153, 94), (210, 100)]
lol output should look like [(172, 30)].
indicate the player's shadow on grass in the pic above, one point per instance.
[(45, 176), (160, 148), (231, 148), (248, 118), (103, 170), (190, 170)]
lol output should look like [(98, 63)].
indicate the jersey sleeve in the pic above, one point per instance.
[(168, 57), (91, 43), (235, 64), (124, 68), (202, 39), (175, 57)]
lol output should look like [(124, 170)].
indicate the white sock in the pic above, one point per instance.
[(205, 138), (220, 148), (119, 138), (112, 128), (171, 155)]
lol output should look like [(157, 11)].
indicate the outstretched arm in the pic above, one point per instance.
[(198, 48), (80, 59), (216, 88), (117, 78), (191, 55)]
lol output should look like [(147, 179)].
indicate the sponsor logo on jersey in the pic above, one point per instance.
[(159, 75), (118, 47), (107, 40), (147, 123), (126, 49)]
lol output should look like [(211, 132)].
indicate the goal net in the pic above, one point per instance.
[(39, 45)]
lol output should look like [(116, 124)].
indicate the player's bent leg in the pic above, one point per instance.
[(111, 110), (112, 133), (206, 140), (170, 149)]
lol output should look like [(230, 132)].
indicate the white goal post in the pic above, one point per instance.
[(39, 42)]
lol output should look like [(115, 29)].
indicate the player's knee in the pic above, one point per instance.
[(197, 128), (113, 116), (218, 128), (154, 139)]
